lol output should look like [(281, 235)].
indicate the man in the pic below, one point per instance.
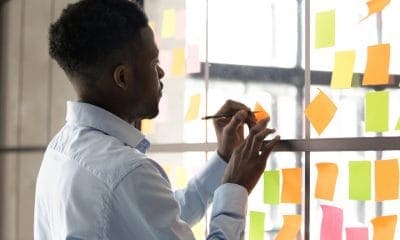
[(95, 181)]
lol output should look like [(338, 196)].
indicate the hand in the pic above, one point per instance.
[(248, 161), (229, 131)]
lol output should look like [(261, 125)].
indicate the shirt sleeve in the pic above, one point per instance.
[(197, 196)]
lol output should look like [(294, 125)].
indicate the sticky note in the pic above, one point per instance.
[(146, 126), (271, 187), (181, 177), (193, 61), (398, 125), (180, 29), (376, 6), (325, 29), (165, 57), (178, 62), (168, 23), (326, 180), (359, 180), (320, 111), (332, 223), (343, 69), (194, 107), (357, 233), (256, 225), (199, 230), (290, 228), (260, 112), (377, 69), (384, 227), (377, 111), (386, 180), (291, 185)]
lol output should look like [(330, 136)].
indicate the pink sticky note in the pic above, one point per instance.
[(192, 60), (165, 57), (359, 233), (180, 29), (332, 223)]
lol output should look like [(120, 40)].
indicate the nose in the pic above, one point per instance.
[(160, 72)]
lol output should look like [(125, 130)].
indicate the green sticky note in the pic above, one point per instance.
[(398, 125), (343, 69), (256, 225), (360, 180), (271, 187), (377, 111), (325, 29)]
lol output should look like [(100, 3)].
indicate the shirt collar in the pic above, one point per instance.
[(88, 115)]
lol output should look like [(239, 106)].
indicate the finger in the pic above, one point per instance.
[(258, 140), (267, 148), (251, 120), (236, 121), (254, 130)]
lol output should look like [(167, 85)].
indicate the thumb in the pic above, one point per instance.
[(237, 120)]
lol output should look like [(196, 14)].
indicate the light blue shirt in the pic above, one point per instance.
[(96, 182)]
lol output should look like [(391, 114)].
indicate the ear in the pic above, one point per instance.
[(121, 76)]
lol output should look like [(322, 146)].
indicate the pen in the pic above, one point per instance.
[(224, 115)]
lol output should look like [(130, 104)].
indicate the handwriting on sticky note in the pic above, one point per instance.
[(326, 180), (386, 180), (178, 62), (332, 223), (325, 29), (194, 108), (261, 113), (377, 69), (343, 69), (320, 111), (360, 180), (257, 220), (271, 187), (357, 233), (168, 23), (291, 226), (384, 227), (291, 185), (377, 111)]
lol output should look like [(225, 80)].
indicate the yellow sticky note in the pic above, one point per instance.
[(199, 230), (178, 62), (260, 112), (291, 186), (194, 107), (386, 180), (181, 177), (325, 29), (326, 180), (168, 24), (376, 6), (146, 126), (343, 69), (377, 70), (384, 227), (320, 111), (398, 125), (291, 226)]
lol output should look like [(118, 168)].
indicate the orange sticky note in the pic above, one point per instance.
[(291, 226), (178, 62), (261, 113), (146, 126), (194, 107), (168, 24), (377, 70), (384, 227), (320, 111), (291, 186), (376, 6), (326, 180), (386, 180)]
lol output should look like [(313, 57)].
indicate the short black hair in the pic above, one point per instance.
[(89, 34)]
